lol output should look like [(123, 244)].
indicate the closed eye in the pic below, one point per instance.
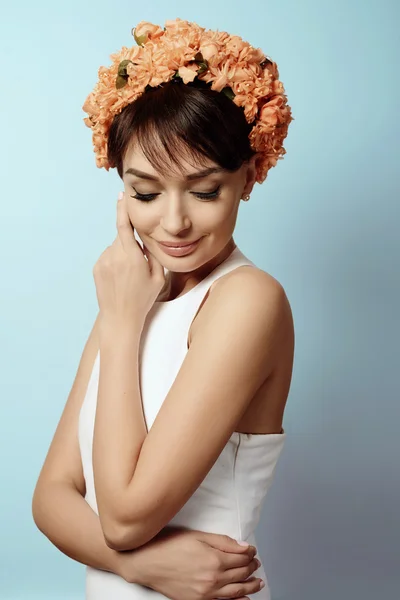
[(201, 195)]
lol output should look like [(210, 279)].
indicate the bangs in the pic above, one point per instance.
[(176, 121), (165, 147)]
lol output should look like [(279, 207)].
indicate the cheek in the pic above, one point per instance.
[(141, 219), (222, 215)]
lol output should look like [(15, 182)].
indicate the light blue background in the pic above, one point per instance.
[(325, 224)]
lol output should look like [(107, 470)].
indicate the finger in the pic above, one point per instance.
[(231, 560), (240, 589), (124, 228), (240, 573), (156, 268), (149, 258), (225, 543)]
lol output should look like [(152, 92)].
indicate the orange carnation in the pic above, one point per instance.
[(182, 48)]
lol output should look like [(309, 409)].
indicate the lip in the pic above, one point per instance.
[(178, 244), (182, 250)]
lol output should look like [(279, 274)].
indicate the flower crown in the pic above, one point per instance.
[(185, 50)]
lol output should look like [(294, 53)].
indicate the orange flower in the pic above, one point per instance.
[(188, 73), (210, 51), (147, 31), (185, 49)]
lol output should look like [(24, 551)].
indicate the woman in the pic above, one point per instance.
[(180, 393)]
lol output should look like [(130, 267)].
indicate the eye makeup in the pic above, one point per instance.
[(201, 195)]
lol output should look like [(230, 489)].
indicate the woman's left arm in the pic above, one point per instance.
[(143, 479)]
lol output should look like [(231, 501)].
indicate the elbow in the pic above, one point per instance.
[(123, 537), (117, 544), (127, 529), (119, 533), (113, 542), (114, 532)]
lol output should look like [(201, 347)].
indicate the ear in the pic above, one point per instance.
[(250, 175)]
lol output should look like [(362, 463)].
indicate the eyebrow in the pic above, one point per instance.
[(190, 177)]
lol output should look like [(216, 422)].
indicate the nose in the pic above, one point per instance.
[(175, 219)]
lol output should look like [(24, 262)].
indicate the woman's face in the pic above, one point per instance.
[(184, 208)]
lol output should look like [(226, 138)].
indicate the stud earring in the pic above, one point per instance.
[(246, 198)]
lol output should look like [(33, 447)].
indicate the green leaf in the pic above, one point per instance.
[(120, 82), (202, 67), (228, 92), (203, 64), (122, 67), (139, 39)]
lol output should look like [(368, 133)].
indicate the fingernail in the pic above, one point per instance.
[(262, 584), (243, 543), (258, 563), (120, 195)]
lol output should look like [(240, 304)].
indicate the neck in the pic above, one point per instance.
[(178, 284)]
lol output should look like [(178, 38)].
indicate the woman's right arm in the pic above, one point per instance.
[(60, 511), (67, 520), (59, 508)]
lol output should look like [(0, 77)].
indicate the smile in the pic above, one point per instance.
[(179, 250)]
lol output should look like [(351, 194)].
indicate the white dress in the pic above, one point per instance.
[(230, 498)]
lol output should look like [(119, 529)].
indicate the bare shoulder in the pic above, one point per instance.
[(259, 293), (249, 275), (254, 294)]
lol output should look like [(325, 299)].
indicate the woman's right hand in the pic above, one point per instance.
[(193, 565)]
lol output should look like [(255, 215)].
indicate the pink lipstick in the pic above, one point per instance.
[(183, 250)]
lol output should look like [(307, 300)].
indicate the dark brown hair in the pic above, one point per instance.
[(182, 117)]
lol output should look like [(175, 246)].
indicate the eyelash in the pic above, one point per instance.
[(151, 197)]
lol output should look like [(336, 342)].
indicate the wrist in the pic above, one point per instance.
[(129, 566), (115, 562), (111, 329)]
